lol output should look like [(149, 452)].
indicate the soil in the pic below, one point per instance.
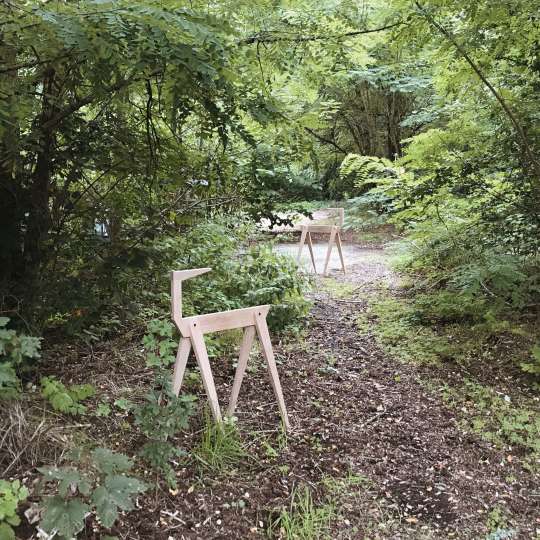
[(405, 467)]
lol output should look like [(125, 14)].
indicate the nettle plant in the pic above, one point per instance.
[(17, 353), (11, 494), (163, 414), (94, 483)]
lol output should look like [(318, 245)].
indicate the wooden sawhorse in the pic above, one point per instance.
[(335, 236), (192, 329)]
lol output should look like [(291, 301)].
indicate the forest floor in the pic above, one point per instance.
[(375, 450)]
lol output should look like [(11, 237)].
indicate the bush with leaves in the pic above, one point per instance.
[(66, 399), (358, 174), (17, 353), (135, 289), (162, 414), (11, 495), (94, 483)]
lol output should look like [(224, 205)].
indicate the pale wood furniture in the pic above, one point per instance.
[(192, 330), (335, 236)]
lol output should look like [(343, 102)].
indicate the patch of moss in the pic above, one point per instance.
[(338, 289), (394, 324)]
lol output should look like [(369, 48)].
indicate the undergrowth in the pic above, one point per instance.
[(438, 328), (497, 419), (303, 519), (221, 448)]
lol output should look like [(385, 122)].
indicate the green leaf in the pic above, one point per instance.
[(6, 532), (109, 462), (66, 517), (69, 479), (123, 404), (115, 494), (103, 409)]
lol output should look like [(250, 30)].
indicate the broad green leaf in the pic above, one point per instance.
[(66, 517), (115, 494), (110, 462)]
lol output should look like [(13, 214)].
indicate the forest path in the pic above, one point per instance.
[(372, 439), (355, 411)]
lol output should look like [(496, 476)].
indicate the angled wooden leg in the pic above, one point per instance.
[(266, 344), (180, 365), (329, 251), (301, 243), (197, 340), (245, 348), (310, 246), (338, 243)]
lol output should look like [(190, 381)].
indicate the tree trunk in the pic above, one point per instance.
[(10, 193), (39, 219)]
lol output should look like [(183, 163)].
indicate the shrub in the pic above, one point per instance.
[(95, 482), (135, 287), (17, 353), (11, 494), (162, 414)]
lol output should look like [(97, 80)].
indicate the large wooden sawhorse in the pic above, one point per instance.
[(192, 330)]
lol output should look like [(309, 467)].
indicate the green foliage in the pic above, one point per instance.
[(17, 353), (162, 414), (220, 448), (97, 483), (495, 418), (11, 495), (66, 399), (261, 276), (533, 366), (136, 290), (303, 520), (397, 327), (358, 174)]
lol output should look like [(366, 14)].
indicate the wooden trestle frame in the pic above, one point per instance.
[(192, 330), (335, 236)]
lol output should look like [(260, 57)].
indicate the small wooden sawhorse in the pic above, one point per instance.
[(335, 237)]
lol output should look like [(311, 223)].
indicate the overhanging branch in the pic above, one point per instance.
[(275, 36)]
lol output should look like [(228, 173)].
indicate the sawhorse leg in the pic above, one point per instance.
[(268, 352), (333, 233), (197, 340), (245, 348)]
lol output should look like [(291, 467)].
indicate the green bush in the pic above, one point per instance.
[(17, 354), (162, 414), (11, 494), (134, 288), (95, 482)]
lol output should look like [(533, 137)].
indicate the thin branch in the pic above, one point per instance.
[(274, 36), (325, 140)]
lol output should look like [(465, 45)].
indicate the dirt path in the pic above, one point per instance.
[(402, 466)]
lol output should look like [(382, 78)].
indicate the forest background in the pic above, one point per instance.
[(137, 137)]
